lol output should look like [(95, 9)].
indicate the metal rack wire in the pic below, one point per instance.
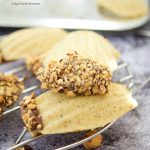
[(122, 65), (128, 80)]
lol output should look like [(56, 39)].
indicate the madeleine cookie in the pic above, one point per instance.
[(52, 113), (124, 8), (75, 76), (10, 90), (87, 44), (30, 43)]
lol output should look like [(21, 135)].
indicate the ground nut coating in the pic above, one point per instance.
[(75, 76), (35, 65), (10, 90), (30, 114)]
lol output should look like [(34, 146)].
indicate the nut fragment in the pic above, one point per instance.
[(30, 114), (35, 65), (75, 75), (10, 90), (31, 106), (70, 93), (93, 143)]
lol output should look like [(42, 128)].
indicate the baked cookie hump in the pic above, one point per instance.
[(87, 44), (30, 43)]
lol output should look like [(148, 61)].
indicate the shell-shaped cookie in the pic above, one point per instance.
[(124, 8), (30, 43)]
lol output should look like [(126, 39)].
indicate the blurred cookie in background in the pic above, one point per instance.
[(123, 8), (29, 43)]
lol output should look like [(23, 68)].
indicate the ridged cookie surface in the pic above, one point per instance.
[(62, 114), (30, 43), (87, 44), (124, 8)]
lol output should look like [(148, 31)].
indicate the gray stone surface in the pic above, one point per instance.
[(131, 132)]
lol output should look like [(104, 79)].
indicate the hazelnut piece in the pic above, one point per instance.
[(93, 143)]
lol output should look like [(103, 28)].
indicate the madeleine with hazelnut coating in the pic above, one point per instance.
[(58, 113)]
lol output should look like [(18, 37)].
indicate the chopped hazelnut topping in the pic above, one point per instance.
[(75, 76), (93, 143), (30, 114), (10, 90), (35, 65)]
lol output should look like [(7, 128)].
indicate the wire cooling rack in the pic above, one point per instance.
[(122, 75)]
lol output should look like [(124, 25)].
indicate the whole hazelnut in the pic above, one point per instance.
[(93, 143)]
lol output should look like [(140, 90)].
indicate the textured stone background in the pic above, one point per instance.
[(131, 132)]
